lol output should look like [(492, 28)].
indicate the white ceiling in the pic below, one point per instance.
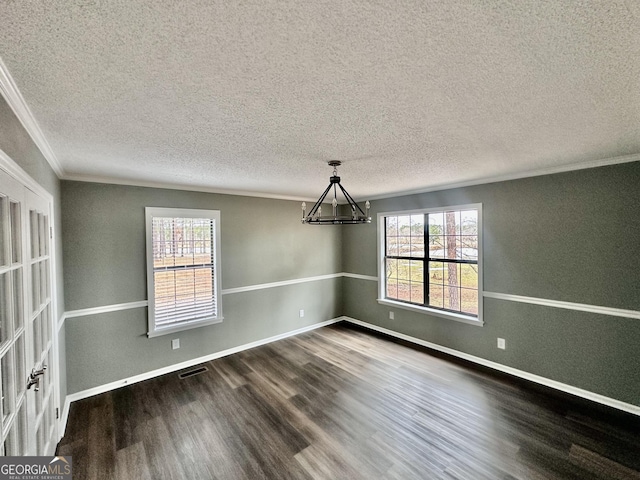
[(256, 96)]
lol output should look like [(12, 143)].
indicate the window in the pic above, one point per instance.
[(430, 261), (183, 269)]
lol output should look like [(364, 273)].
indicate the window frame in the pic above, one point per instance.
[(424, 309), (150, 213)]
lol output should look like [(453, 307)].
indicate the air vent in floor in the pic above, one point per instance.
[(191, 373)]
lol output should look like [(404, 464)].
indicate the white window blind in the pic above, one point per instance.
[(182, 257)]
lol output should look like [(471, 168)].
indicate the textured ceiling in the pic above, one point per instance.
[(257, 95)]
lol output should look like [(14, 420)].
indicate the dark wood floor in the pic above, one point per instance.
[(340, 403)]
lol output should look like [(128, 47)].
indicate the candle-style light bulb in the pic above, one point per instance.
[(367, 207), (304, 211), (335, 207), (319, 212)]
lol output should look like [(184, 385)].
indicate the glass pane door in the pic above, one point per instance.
[(40, 320), (13, 331), (27, 406)]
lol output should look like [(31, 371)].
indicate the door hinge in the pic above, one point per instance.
[(50, 232), (57, 413)]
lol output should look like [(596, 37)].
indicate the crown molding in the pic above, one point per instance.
[(14, 98), (500, 178), (183, 187), (512, 176)]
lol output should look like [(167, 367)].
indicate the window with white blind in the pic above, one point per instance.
[(183, 269)]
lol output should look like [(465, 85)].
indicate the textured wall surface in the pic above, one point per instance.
[(262, 241), (569, 237), (17, 144)]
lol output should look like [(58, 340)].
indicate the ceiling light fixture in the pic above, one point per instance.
[(356, 214)]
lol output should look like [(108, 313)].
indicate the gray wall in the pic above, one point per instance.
[(570, 237), (262, 241), (17, 144), (567, 237)]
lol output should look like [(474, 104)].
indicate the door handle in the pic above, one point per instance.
[(35, 373), (33, 381)]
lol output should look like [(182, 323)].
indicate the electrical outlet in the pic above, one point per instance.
[(175, 343), (301, 313), (391, 315), (502, 344)]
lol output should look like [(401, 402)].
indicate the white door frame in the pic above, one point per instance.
[(15, 171)]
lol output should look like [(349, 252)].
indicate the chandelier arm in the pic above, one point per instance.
[(319, 202), (351, 200)]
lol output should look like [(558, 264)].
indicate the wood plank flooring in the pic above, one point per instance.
[(342, 403)]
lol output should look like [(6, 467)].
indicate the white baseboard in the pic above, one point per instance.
[(563, 387), (190, 363), (595, 397)]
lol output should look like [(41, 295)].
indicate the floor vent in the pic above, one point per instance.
[(191, 373)]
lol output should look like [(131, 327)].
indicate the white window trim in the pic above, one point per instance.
[(459, 317), (151, 212)]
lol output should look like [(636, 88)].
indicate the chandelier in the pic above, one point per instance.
[(356, 215)]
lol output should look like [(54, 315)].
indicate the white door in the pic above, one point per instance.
[(26, 328)]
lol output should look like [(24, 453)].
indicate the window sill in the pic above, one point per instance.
[(477, 321), (183, 326)]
